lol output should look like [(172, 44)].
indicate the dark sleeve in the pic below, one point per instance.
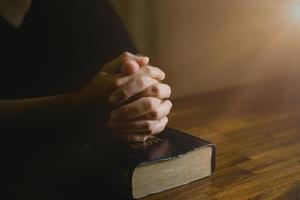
[(79, 36)]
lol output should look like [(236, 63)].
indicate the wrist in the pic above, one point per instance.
[(83, 100)]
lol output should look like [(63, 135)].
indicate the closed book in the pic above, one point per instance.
[(167, 160)]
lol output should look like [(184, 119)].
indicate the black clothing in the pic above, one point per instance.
[(59, 47)]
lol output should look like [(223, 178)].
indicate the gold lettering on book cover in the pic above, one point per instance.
[(148, 142)]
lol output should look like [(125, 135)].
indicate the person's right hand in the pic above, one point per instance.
[(141, 105), (133, 82), (114, 75)]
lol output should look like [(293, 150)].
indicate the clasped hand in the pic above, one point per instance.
[(133, 89)]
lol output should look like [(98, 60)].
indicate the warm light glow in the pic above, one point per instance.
[(294, 10)]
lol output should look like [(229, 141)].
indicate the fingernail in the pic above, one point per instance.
[(147, 59), (163, 76)]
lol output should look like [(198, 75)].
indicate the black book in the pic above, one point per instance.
[(102, 165), (167, 160)]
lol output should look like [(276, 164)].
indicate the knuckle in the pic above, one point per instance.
[(158, 69), (168, 89), (148, 103), (161, 72), (125, 57), (170, 104), (126, 54), (147, 69), (163, 75), (117, 83), (141, 81), (149, 125), (154, 114), (156, 90)]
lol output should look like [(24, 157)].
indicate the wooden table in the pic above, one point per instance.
[(257, 132)]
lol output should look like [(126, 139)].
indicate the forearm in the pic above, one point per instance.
[(55, 108)]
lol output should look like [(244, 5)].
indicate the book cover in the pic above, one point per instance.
[(87, 168), (121, 159)]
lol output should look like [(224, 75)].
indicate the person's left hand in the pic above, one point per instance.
[(143, 107)]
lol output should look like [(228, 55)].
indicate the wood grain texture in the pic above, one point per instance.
[(257, 133)]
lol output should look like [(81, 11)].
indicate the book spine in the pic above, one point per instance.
[(121, 176), (213, 158)]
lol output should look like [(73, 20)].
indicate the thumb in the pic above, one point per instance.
[(131, 66), (126, 63)]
